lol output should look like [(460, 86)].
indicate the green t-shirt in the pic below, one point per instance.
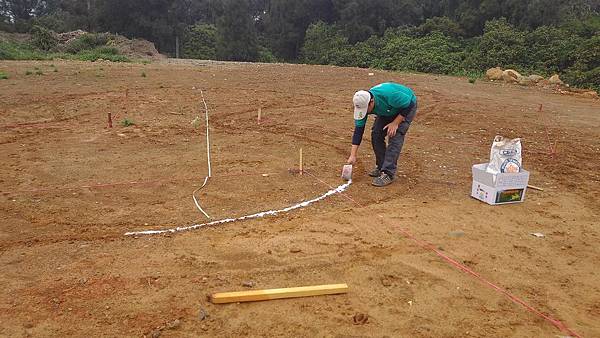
[(390, 98)]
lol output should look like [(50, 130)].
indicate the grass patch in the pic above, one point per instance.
[(39, 72), (143, 74), (24, 51), (127, 122), (104, 53), (3, 75), (28, 72), (20, 51), (85, 42)]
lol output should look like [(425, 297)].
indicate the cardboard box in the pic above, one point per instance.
[(503, 188)]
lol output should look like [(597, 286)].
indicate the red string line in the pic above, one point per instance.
[(428, 246)]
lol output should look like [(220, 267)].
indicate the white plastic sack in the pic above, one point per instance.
[(505, 156)]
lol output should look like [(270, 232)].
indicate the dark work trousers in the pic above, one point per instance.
[(386, 156)]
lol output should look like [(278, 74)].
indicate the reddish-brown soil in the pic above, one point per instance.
[(70, 188)]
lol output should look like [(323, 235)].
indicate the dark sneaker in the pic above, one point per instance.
[(382, 180), (375, 172)]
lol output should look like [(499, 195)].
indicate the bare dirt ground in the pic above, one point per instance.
[(70, 188)]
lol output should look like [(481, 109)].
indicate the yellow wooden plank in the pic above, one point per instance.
[(534, 187), (269, 294)]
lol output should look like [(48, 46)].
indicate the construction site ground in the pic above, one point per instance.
[(70, 188)]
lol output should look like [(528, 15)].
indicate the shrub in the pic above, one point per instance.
[(20, 51), (87, 41), (368, 53), (3, 75), (43, 38), (105, 53), (550, 50), (127, 122), (443, 25), (265, 55), (585, 71), (585, 28), (583, 79), (500, 45), (433, 53)]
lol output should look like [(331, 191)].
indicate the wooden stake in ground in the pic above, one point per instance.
[(269, 294), (259, 114), (301, 164), (109, 120)]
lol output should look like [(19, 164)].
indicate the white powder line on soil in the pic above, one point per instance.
[(207, 159), (334, 191)]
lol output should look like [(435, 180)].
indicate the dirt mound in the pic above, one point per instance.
[(67, 37), (136, 48), (132, 48)]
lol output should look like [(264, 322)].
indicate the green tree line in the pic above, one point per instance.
[(439, 36), (572, 50)]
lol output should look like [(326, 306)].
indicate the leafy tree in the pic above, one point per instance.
[(237, 39), (501, 45), (19, 13), (586, 27), (62, 21), (443, 24), (21, 9), (362, 18), (200, 42), (324, 44), (265, 55), (286, 22), (369, 53)]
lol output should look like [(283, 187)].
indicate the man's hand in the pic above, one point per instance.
[(351, 159), (391, 127)]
